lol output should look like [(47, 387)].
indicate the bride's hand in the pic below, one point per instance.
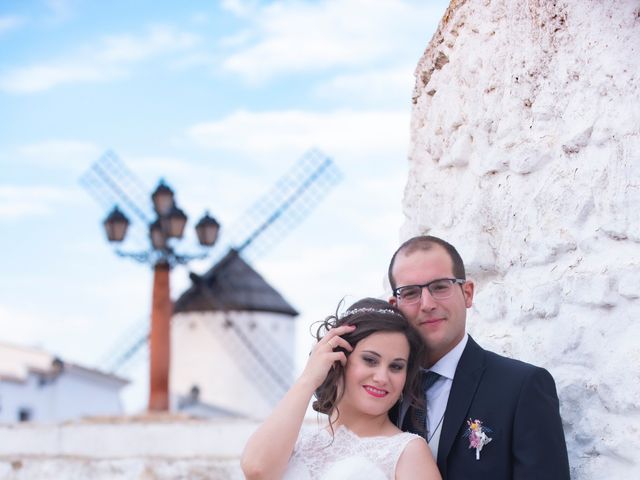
[(324, 355)]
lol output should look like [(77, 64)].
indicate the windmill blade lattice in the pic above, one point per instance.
[(128, 348), (285, 205), (110, 183), (264, 364)]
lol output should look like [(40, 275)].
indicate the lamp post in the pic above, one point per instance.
[(168, 226)]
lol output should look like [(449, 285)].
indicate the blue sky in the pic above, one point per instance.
[(220, 99)]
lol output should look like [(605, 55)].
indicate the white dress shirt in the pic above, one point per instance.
[(438, 393)]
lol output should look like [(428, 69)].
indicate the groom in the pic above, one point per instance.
[(487, 416)]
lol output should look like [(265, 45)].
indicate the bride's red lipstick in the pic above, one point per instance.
[(375, 392)]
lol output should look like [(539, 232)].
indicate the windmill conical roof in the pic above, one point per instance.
[(232, 285)]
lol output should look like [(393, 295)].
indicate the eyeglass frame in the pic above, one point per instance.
[(459, 281)]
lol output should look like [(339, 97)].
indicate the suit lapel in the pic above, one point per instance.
[(465, 383)]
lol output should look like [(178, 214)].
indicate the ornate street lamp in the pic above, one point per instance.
[(116, 225), (207, 230), (167, 227), (162, 198), (173, 223)]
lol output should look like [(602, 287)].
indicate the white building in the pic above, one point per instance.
[(232, 343), (37, 386)]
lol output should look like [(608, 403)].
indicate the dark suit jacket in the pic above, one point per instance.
[(519, 403)]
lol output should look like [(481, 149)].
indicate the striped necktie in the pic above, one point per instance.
[(420, 414)]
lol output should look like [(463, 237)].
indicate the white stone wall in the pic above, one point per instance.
[(160, 447), (526, 155)]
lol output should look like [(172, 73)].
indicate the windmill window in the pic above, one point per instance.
[(24, 414)]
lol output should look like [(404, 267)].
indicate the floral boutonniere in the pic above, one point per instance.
[(477, 434)]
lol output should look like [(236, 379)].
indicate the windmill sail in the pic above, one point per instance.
[(287, 204)]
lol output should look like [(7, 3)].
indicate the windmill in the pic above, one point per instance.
[(288, 202)]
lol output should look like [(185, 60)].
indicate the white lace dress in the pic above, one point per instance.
[(349, 457)]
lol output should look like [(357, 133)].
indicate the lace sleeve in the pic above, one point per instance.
[(390, 450), (303, 436)]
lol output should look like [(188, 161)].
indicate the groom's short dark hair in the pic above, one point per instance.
[(426, 242)]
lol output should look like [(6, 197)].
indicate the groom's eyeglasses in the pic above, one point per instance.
[(440, 289)]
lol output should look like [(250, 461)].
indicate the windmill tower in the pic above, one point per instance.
[(232, 334)]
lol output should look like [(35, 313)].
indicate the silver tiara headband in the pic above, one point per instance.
[(384, 311)]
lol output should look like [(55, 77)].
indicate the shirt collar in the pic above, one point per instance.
[(447, 365)]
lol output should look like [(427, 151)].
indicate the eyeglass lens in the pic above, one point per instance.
[(439, 289)]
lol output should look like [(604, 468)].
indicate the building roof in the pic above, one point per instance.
[(17, 362), (193, 405), (232, 285)]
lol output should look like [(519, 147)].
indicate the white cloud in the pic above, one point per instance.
[(59, 154), (385, 86), (10, 22), (297, 36), (201, 18), (61, 10), (150, 166), (18, 201), (192, 59), (37, 78), (109, 59), (239, 7), (265, 134), (158, 40), (239, 39)]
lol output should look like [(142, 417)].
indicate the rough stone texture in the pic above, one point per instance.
[(525, 141)]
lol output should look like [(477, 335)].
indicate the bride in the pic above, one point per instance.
[(364, 364)]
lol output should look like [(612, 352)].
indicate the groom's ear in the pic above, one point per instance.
[(467, 290)]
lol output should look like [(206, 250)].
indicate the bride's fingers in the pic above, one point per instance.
[(333, 339), (336, 342), (339, 331), (340, 357), (321, 360)]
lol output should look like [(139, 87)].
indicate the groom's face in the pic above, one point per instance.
[(440, 322)]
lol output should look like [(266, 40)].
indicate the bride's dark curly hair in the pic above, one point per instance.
[(369, 315)]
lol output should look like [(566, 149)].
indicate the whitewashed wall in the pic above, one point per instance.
[(72, 394), (158, 447), (526, 155)]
